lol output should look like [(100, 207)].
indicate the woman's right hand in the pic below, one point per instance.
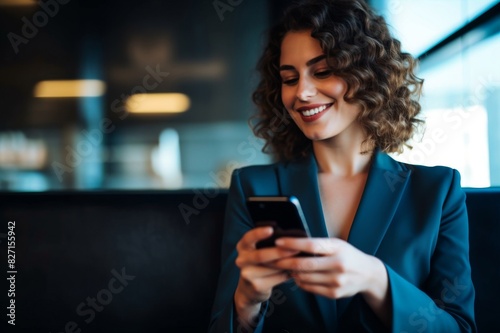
[(257, 278)]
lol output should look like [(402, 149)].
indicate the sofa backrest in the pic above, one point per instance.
[(483, 207), (149, 261), (148, 267)]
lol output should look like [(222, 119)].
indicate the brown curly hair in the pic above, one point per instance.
[(360, 50)]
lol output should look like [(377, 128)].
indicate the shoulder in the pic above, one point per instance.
[(430, 173), (262, 179), (248, 176), (430, 180), (256, 172), (429, 193)]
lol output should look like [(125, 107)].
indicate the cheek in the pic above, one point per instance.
[(337, 87)]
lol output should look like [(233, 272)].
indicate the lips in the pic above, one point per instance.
[(313, 112)]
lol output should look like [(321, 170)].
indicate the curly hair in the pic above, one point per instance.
[(360, 49)]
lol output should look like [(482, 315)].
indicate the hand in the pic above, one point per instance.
[(339, 270), (257, 277)]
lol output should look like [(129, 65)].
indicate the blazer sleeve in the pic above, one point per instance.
[(445, 302), (236, 223)]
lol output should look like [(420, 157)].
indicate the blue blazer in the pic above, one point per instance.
[(413, 218)]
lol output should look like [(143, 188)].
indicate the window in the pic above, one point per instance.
[(456, 42)]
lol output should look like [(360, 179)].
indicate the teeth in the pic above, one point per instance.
[(314, 111)]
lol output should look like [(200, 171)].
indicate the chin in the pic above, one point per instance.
[(318, 136)]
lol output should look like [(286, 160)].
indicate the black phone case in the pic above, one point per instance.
[(284, 214)]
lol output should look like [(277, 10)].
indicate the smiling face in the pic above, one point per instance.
[(312, 94)]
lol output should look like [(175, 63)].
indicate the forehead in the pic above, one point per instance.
[(299, 47)]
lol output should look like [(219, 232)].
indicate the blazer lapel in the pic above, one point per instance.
[(384, 187), (301, 180)]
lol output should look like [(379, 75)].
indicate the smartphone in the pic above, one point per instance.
[(284, 214)]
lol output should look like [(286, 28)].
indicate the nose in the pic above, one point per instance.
[(305, 89)]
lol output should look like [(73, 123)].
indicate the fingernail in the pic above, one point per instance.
[(279, 242)]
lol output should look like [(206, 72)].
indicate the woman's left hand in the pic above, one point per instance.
[(337, 270)]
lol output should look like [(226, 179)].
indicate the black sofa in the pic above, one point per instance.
[(149, 261)]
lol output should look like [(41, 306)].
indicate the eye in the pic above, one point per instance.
[(289, 81), (323, 74)]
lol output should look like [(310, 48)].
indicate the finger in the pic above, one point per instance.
[(326, 279), (268, 255), (333, 293), (278, 278), (321, 246), (270, 281), (263, 256), (263, 274), (310, 264), (258, 272), (250, 238)]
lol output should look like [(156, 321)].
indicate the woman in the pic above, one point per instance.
[(390, 240)]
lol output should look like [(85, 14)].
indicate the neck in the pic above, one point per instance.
[(342, 157)]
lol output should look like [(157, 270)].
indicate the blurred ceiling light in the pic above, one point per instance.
[(17, 2), (70, 88), (158, 103)]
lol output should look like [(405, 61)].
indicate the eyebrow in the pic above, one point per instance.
[(309, 63)]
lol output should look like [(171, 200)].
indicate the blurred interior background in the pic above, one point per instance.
[(156, 94)]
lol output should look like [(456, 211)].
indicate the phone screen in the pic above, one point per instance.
[(284, 214)]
